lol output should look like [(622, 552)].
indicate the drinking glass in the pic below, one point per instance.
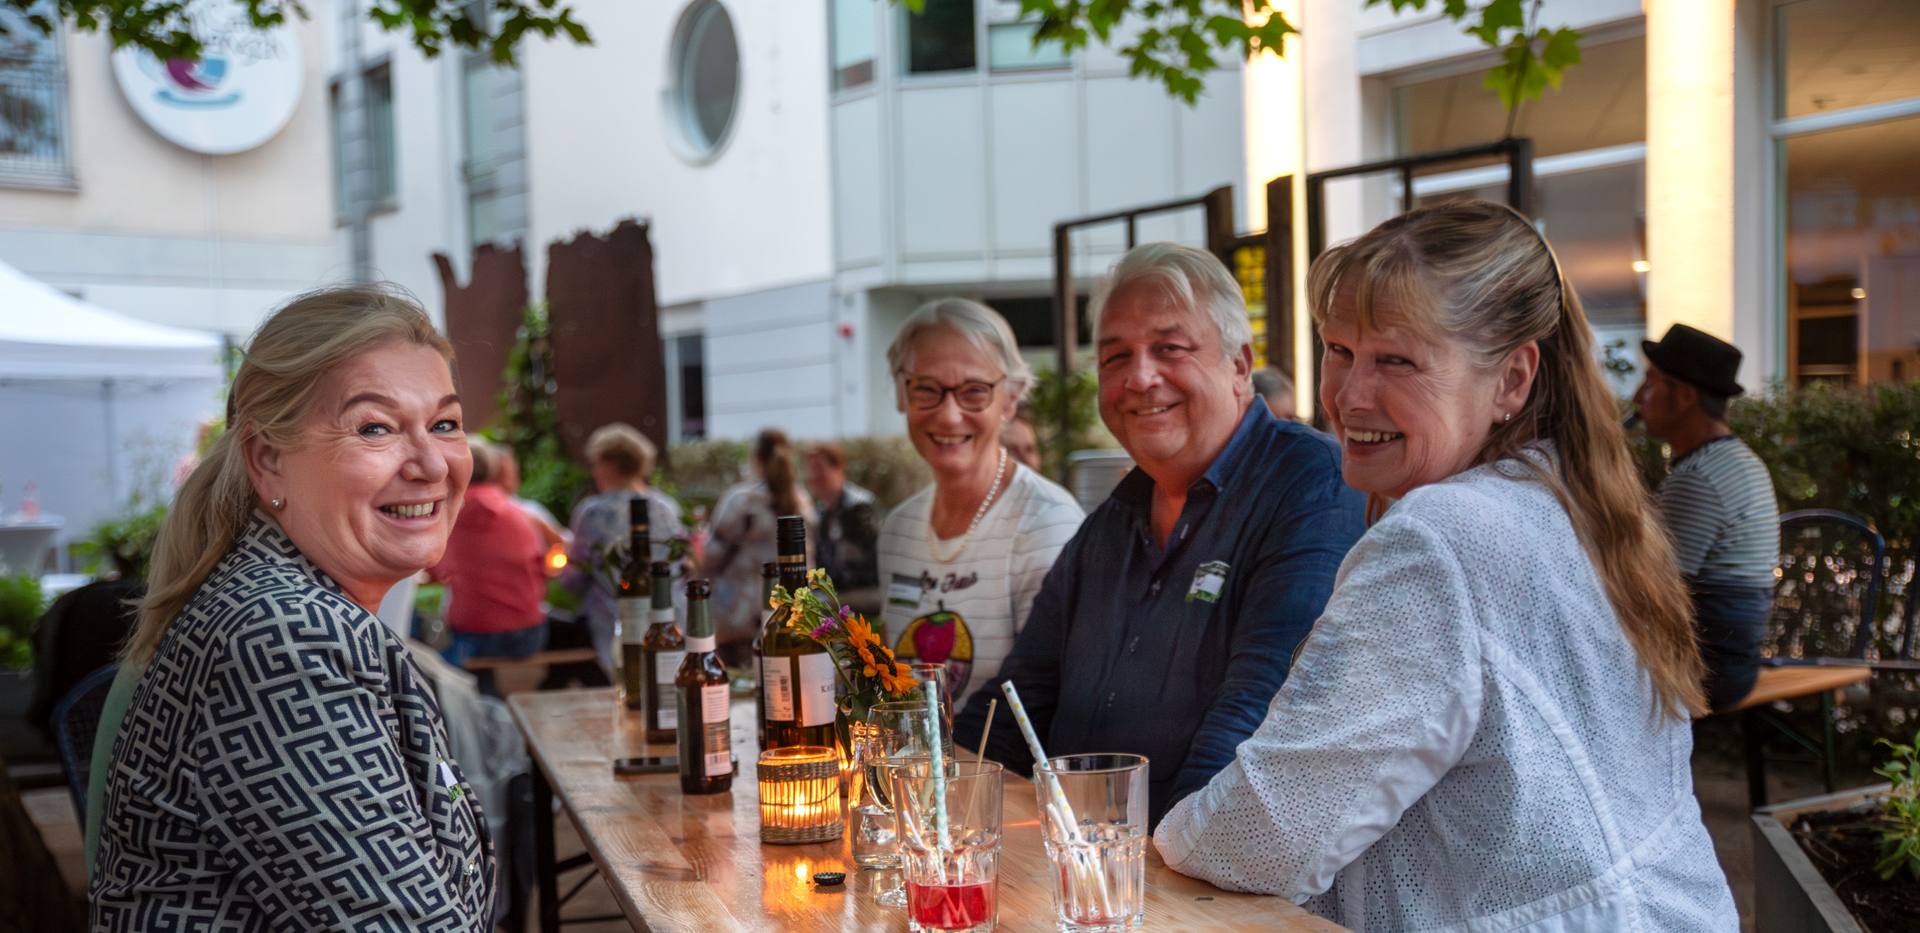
[(936, 671), (1093, 818), (894, 729), (948, 821)]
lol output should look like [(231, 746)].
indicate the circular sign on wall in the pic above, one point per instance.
[(240, 94)]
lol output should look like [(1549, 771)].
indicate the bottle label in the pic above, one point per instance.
[(776, 684), (633, 620), (664, 716), (666, 665), (815, 688), (716, 737)]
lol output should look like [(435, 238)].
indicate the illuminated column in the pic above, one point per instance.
[(1690, 165), (1275, 131)]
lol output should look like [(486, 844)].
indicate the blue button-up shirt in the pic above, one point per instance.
[(1122, 651)]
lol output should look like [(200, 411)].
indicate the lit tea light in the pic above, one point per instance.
[(799, 795)]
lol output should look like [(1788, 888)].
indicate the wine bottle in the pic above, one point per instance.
[(635, 601), (660, 655), (769, 575), (705, 736), (796, 672)]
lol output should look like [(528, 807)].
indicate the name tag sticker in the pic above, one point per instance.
[(1208, 580), (904, 591), (454, 789)]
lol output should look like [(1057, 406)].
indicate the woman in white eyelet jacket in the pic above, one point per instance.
[(1488, 727)]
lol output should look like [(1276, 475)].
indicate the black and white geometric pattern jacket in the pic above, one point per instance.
[(283, 766)]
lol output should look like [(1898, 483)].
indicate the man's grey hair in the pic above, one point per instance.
[(972, 321), (1192, 278)]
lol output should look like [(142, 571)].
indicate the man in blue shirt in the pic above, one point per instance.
[(1168, 623)]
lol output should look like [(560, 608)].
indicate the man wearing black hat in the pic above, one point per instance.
[(1718, 502)]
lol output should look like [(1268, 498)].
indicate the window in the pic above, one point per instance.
[(379, 166), (1601, 103), (494, 164), (1589, 172), (941, 37), (853, 43), (706, 70), (33, 103), (687, 392), (1848, 108), (1010, 48)]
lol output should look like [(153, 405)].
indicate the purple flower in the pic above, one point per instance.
[(824, 627)]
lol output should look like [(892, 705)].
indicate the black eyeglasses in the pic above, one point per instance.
[(926, 394)]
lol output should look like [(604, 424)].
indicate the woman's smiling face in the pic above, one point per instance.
[(953, 441), (373, 486), (1407, 411)]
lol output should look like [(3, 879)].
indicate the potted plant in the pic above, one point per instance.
[(1846, 862)]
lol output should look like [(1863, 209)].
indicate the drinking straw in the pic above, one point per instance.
[(980, 758), (1062, 810), (939, 766)]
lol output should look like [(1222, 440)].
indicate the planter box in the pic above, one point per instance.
[(1789, 895)]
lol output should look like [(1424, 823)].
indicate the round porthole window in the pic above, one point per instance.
[(704, 87)]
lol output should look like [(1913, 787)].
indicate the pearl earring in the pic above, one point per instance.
[(1506, 417), (277, 504)]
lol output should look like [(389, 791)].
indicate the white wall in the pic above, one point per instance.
[(172, 236), (599, 141), (954, 181)]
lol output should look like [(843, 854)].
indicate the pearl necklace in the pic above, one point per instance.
[(933, 539)]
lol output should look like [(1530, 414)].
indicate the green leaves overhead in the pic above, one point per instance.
[(1532, 58), (1177, 43), (165, 28)]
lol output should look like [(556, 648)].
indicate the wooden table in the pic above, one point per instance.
[(678, 862)]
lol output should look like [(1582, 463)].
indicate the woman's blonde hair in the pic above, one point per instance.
[(1479, 273), (280, 372)]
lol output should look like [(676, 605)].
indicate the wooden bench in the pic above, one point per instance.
[(1791, 682), (538, 658)]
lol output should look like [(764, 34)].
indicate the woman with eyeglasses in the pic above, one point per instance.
[(960, 561)]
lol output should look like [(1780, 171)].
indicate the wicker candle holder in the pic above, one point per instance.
[(799, 795)]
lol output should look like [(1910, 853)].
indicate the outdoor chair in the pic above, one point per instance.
[(1827, 590), (75, 720), (1821, 637)]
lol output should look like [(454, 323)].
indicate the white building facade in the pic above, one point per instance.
[(97, 202), (813, 171)]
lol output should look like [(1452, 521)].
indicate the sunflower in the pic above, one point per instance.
[(859, 633), (896, 678)]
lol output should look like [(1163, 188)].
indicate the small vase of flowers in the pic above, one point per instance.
[(864, 666)]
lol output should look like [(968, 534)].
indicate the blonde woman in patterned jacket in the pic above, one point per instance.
[(1488, 727), (280, 762)]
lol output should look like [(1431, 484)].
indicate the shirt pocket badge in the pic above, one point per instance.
[(1209, 579)]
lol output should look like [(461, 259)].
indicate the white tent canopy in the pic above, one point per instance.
[(47, 334), (96, 408)]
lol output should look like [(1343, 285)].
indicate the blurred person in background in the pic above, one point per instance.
[(1020, 439), (620, 459), (551, 533), (1276, 390), (961, 561), (742, 538), (849, 528), (495, 569), (1717, 503)]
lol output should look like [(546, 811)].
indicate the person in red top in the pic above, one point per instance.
[(495, 571)]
